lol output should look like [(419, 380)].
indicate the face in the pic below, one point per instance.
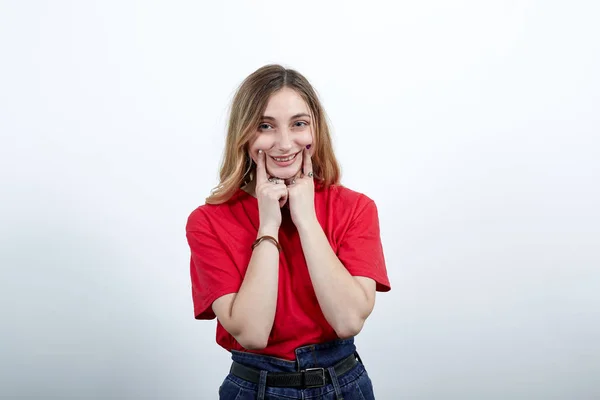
[(285, 129)]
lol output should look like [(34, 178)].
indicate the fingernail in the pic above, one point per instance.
[(308, 147), (259, 151)]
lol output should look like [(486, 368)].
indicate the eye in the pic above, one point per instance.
[(263, 127), (302, 123)]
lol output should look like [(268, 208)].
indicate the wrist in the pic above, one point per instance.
[(308, 225), (268, 231), (266, 238)]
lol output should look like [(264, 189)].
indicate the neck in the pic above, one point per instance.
[(250, 188)]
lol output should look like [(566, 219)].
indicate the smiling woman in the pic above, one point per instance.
[(283, 133), (274, 103), (285, 258)]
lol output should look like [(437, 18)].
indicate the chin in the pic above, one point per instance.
[(284, 173)]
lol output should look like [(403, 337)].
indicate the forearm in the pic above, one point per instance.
[(253, 309), (344, 302)]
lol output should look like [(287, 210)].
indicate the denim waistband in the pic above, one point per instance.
[(321, 355)]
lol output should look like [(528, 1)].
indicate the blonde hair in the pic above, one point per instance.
[(247, 108)]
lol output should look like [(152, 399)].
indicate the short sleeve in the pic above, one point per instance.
[(212, 271), (360, 249)]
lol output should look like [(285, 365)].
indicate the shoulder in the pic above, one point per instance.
[(343, 198), (346, 206), (199, 218), (207, 215)]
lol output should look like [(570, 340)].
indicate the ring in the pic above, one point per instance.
[(310, 174)]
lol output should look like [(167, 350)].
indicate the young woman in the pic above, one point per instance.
[(284, 257)]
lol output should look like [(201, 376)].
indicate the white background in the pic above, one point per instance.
[(474, 125)]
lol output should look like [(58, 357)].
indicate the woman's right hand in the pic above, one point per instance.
[(271, 195)]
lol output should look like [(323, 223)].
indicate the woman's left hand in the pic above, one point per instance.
[(301, 195)]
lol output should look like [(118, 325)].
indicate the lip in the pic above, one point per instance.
[(285, 163), (286, 155)]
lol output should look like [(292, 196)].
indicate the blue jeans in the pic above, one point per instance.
[(353, 385)]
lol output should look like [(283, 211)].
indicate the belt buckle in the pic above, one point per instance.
[(314, 369)]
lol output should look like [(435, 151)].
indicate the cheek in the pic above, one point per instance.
[(304, 139), (261, 142)]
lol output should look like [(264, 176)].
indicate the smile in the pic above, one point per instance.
[(284, 159)]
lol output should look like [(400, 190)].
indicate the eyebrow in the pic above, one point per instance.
[(292, 117)]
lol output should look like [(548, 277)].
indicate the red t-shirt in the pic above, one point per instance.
[(220, 237)]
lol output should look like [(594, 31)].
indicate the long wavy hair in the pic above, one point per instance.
[(249, 104)]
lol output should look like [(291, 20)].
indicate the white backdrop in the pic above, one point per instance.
[(473, 125)]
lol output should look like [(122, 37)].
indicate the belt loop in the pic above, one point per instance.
[(336, 384), (262, 384), (358, 358)]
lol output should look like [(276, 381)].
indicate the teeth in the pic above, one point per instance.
[(279, 159)]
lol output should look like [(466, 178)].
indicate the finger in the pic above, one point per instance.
[(307, 167), (283, 199), (261, 172), (273, 191), (282, 193)]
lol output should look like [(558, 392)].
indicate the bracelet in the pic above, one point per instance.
[(269, 238)]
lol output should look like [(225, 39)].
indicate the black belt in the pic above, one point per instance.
[(310, 377)]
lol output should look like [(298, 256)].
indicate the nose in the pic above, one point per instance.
[(284, 143)]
